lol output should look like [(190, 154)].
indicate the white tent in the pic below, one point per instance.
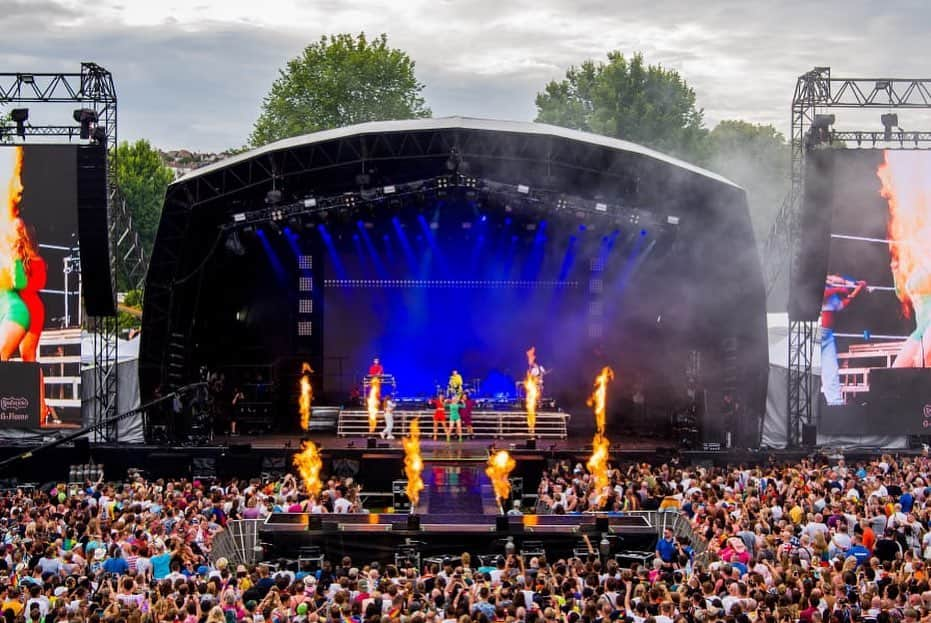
[(774, 424)]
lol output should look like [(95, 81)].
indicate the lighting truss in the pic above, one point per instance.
[(316, 206)]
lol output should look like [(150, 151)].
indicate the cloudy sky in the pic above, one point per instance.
[(193, 73)]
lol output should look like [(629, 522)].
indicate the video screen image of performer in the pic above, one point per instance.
[(880, 233), (23, 274), (376, 369), (838, 294)]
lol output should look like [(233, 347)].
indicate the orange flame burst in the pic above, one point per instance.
[(500, 464), (413, 463), (598, 399), (307, 395), (531, 390), (598, 462), (308, 464), (372, 402), (906, 185)]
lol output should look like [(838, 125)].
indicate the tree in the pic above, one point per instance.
[(337, 81), (142, 178), (757, 158), (646, 104)]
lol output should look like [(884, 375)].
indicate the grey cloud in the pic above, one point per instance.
[(200, 85)]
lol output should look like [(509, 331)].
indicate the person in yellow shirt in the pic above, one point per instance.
[(796, 513), (12, 601)]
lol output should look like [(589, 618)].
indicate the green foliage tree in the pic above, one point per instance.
[(337, 81), (756, 157), (142, 178), (630, 100)]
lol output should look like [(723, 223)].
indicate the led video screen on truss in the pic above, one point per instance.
[(40, 334), (876, 307)]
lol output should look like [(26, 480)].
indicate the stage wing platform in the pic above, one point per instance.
[(380, 536), (490, 424)]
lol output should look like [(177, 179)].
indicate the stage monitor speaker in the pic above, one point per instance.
[(94, 232), (413, 523), (501, 523), (810, 250), (602, 524), (240, 448), (809, 435), (532, 443), (371, 443), (315, 522)]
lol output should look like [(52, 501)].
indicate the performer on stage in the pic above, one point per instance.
[(376, 368), (467, 406), (838, 293), (388, 408), (454, 385), (455, 419), (439, 416)]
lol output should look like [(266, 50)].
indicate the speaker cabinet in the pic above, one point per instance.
[(94, 232)]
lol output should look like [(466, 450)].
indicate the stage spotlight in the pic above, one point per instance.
[(20, 115), (85, 116), (601, 207), (822, 122), (310, 202), (363, 179), (523, 189), (27, 78), (389, 190), (672, 220), (239, 217), (273, 196), (234, 244), (889, 121)]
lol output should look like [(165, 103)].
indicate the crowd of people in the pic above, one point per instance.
[(811, 542)]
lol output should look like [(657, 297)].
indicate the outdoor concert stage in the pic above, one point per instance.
[(459, 244)]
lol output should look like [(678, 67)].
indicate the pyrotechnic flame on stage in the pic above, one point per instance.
[(307, 395), (531, 391), (597, 400), (308, 464), (413, 464), (598, 462), (500, 465), (372, 401), (906, 185)]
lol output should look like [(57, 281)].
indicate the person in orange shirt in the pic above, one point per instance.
[(869, 537)]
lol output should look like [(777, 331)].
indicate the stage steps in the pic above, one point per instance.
[(488, 424)]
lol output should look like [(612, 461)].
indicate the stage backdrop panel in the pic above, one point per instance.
[(39, 282)]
